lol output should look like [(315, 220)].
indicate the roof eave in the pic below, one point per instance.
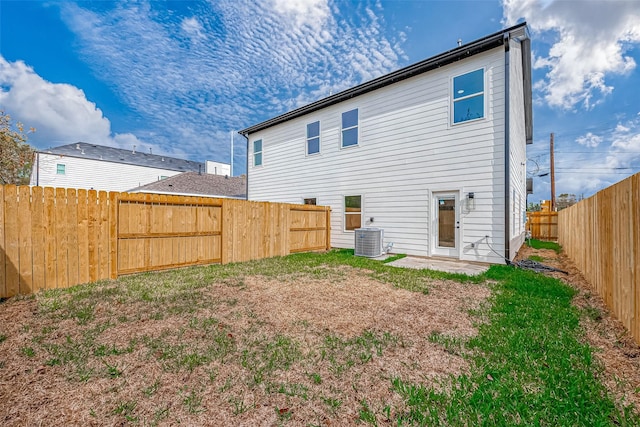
[(445, 58)]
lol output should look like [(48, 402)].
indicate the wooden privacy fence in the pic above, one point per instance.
[(56, 238), (543, 225), (601, 235)]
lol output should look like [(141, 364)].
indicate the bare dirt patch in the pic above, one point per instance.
[(250, 350), (614, 346)]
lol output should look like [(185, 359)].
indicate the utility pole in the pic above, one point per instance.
[(553, 177), (231, 169)]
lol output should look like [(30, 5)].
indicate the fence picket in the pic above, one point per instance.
[(72, 236), (92, 211), (26, 247), (37, 238), (601, 235), (3, 248), (12, 247), (83, 236), (50, 251)]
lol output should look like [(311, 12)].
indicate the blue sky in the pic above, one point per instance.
[(178, 76)]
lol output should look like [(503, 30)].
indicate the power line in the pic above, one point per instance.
[(594, 168), (586, 172)]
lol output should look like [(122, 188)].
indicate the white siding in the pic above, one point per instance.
[(218, 168), (92, 174), (517, 150), (407, 150)]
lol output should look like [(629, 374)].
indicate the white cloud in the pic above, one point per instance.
[(313, 13), (625, 145), (260, 59), (61, 113), (589, 41), (589, 140), (193, 28)]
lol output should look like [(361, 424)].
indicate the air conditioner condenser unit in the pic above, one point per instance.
[(368, 242)]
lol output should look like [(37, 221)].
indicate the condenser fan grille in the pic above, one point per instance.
[(368, 242)]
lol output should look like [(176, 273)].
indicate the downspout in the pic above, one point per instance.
[(246, 182), (507, 152)]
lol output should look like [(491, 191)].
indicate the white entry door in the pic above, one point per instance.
[(446, 224)]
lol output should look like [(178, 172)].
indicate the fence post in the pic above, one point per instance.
[(328, 227), (3, 248), (226, 233), (114, 200)]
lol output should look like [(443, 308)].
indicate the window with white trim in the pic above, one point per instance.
[(313, 138), (257, 152), (61, 169), (350, 128), (468, 96), (352, 212)]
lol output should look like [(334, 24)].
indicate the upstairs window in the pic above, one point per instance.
[(352, 212), (257, 153), (60, 169), (468, 96), (350, 128), (313, 138)]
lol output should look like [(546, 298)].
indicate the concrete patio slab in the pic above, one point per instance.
[(448, 266)]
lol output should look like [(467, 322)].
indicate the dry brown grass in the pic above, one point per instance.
[(248, 350)]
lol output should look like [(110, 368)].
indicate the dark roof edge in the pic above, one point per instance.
[(175, 169), (152, 159), (486, 43)]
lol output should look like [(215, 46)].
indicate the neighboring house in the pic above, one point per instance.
[(217, 168), (92, 166), (434, 153), (197, 184)]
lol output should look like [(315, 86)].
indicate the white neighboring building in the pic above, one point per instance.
[(434, 153), (98, 167), (218, 168)]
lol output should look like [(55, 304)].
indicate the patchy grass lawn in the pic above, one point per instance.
[(309, 339), (542, 244)]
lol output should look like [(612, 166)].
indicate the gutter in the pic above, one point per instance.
[(507, 152)]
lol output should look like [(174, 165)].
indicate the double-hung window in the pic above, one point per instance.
[(352, 212), (61, 169), (468, 96), (350, 128), (313, 138), (257, 152)]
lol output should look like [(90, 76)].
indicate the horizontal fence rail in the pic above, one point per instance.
[(55, 238), (601, 235), (543, 225)]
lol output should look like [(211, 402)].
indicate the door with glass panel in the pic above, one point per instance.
[(446, 225)]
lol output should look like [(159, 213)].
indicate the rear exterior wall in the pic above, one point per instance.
[(408, 149)]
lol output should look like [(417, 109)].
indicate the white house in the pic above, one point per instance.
[(99, 167), (434, 154)]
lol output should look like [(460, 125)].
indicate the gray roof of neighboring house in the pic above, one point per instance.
[(193, 183), (118, 155), (486, 43)]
